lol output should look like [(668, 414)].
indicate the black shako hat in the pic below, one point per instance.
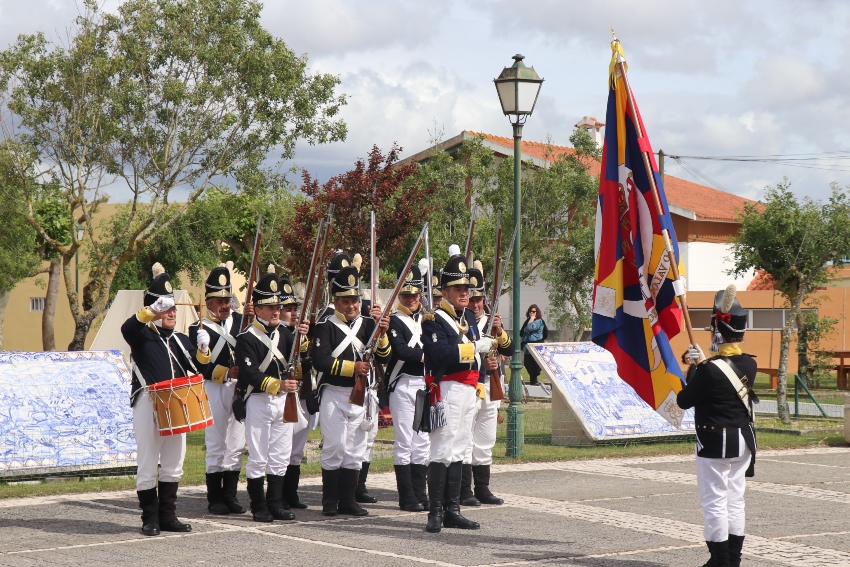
[(454, 272), (413, 282), (160, 286), (287, 293), (435, 281), (727, 312), (339, 261), (346, 283), (476, 282), (218, 283), (266, 291)]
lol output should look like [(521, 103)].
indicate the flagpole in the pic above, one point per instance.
[(657, 199)]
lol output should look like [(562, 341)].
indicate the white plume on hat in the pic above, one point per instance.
[(270, 269), (478, 266), (728, 298), (423, 267), (357, 261), (229, 266), (157, 269), (454, 250)]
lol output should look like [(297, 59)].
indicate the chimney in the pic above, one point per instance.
[(593, 126)]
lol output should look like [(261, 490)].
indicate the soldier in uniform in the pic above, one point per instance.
[(406, 376), (288, 322), (159, 354), (225, 438), (337, 349), (720, 391), (338, 261), (453, 361), (261, 353), (480, 451)]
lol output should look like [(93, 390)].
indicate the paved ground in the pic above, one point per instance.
[(606, 513)]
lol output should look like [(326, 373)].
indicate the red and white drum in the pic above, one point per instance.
[(181, 405)]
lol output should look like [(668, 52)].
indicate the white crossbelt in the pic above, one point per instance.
[(464, 339), (350, 336), (224, 333), (271, 344), (415, 328)]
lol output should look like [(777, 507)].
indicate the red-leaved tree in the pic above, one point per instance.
[(401, 203)]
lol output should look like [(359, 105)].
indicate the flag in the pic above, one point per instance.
[(635, 307)]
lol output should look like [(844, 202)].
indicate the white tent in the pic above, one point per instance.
[(127, 302)]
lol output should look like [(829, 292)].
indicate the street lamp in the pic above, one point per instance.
[(518, 87), (81, 231)]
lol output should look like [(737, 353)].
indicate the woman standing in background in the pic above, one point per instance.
[(534, 330)]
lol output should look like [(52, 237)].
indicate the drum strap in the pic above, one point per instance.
[(415, 340)]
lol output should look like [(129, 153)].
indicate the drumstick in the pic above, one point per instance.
[(199, 307)]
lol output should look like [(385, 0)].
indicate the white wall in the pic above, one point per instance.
[(706, 264)]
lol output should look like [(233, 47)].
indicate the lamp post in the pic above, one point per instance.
[(81, 231), (518, 87)]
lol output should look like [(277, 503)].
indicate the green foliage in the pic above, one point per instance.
[(811, 336), (558, 204), (160, 95)]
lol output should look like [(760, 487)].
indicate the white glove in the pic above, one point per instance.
[(484, 345), (203, 340), (162, 305), (696, 354)]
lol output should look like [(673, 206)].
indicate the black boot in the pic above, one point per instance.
[(168, 521), (150, 511), (290, 487), (719, 554), (231, 486), (736, 543), (467, 498), (277, 506), (419, 474), (360, 493), (436, 488), (330, 491), (257, 494), (481, 474), (348, 480), (452, 517), (407, 500), (215, 494)]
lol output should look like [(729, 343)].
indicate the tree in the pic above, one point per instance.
[(801, 244), (400, 200), (164, 94), (558, 204)]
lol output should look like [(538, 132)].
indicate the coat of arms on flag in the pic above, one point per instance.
[(636, 308)]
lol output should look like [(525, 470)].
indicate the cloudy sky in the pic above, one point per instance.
[(720, 78)]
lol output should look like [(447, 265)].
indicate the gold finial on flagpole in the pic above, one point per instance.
[(614, 35)]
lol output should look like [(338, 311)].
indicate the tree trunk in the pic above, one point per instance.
[(81, 331), (48, 338), (4, 301), (781, 378)]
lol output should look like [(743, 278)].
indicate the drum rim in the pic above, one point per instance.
[(177, 383)]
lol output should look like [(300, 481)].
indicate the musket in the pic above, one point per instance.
[(429, 276), (373, 292), (358, 392), (252, 272), (497, 289), (496, 392), (468, 251), (290, 406), (320, 266)]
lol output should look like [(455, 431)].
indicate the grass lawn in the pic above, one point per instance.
[(537, 448)]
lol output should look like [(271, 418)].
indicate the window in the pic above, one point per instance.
[(36, 304), (760, 319), (700, 318)]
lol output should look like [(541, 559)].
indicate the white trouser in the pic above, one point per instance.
[(721, 485), (410, 447), (480, 450), (153, 449), (343, 441), (450, 442), (372, 413), (225, 438), (269, 438), (299, 437)]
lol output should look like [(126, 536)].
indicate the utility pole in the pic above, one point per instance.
[(661, 164)]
